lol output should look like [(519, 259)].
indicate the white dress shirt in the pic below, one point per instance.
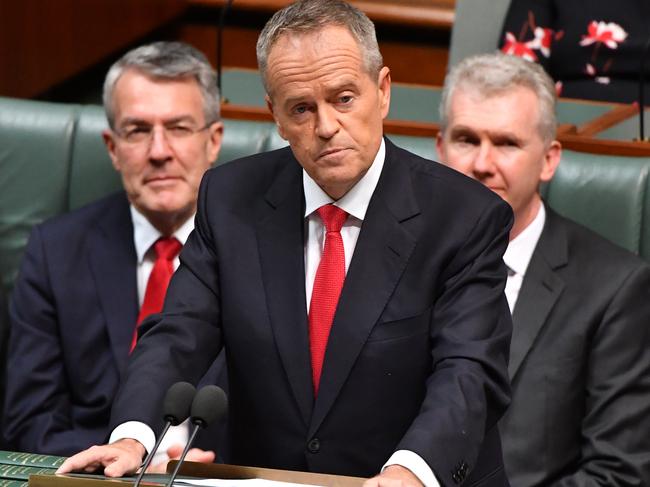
[(518, 254), (144, 236), (355, 202)]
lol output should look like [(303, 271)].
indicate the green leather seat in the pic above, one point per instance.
[(53, 159), (608, 194)]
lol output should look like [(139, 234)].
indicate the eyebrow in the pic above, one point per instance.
[(140, 121), (334, 88)]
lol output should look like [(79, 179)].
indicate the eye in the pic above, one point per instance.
[(507, 143), (345, 99), (300, 109), (179, 130), (136, 133), (465, 140)]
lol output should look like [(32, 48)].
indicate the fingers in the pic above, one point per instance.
[(198, 455), (174, 451), (394, 476), (160, 467), (119, 458)]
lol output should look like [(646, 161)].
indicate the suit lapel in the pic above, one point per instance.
[(281, 245), (541, 288), (113, 265), (380, 257)]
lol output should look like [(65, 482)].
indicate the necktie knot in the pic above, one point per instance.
[(167, 248), (333, 217)]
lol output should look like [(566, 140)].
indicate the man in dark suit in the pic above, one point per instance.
[(86, 274), (394, 261), (580, 352)]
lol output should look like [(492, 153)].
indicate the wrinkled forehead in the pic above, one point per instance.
[(322, 56)]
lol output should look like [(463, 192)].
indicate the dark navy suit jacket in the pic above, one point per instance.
[(73, 312), (417, 355)]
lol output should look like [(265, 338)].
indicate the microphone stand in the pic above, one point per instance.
[(149, 458), (222, 21), (644, 56), (188, 445)]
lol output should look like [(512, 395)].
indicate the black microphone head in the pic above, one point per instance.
[(209, 405), (178, 402)]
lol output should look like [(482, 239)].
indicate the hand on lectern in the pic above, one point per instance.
[(118, 459), (174, 453), (394, 476)]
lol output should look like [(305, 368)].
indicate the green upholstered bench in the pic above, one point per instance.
[(52, 160), (609, 194)]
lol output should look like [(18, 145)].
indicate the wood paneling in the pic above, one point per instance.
[(44, 42)]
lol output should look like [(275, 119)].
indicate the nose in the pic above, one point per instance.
[(159, 148), (327, 123), (484, 161)]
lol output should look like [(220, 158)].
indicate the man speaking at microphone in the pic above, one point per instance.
[(357, 288)]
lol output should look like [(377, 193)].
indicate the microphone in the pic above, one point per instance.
[(176, 409), (210, 404)]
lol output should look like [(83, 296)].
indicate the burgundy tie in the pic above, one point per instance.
[(327, 287), (166, 250)]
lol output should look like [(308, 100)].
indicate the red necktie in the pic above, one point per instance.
[(327, 288), (166, 250)]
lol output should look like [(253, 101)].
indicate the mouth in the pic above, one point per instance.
[(160, 179), (333, 153)]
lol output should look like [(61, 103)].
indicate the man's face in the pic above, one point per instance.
[(327, 106), (161, 173), (496, 140)]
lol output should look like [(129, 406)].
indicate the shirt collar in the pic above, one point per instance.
[(520, 249), (145, 234), (355, 202)]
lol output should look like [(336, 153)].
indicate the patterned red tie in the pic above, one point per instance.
[(327, 288), (166, 250)]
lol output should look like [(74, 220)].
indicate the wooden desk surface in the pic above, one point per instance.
[(202, 470)]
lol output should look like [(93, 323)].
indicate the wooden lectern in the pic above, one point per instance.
[(203, 470)]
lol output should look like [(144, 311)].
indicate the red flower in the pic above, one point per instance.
[(542, 41), (610, 34), (520, 49)]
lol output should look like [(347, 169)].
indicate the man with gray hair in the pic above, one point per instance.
[(356, 288), (580, 351), (88, 278)]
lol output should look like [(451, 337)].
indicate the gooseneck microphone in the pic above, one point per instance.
[(209, 405), (176, 409), (642, 83)]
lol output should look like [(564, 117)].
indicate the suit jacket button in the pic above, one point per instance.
[(314, 445)]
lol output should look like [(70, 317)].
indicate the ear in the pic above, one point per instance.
[(440, 147), (551, 161), (383, 83), (214, 143), (278, 124), (109, 141)]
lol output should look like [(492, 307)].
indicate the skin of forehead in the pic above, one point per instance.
[(300, 58), (476, 96)]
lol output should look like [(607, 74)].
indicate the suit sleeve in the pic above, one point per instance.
[(182, 342), (615, 440), (468, 388), (38, 406)]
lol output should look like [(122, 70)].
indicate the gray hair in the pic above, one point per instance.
[(495, 74), (169, 61), (305, 16)]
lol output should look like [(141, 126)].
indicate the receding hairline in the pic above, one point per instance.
[(286, 36)]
